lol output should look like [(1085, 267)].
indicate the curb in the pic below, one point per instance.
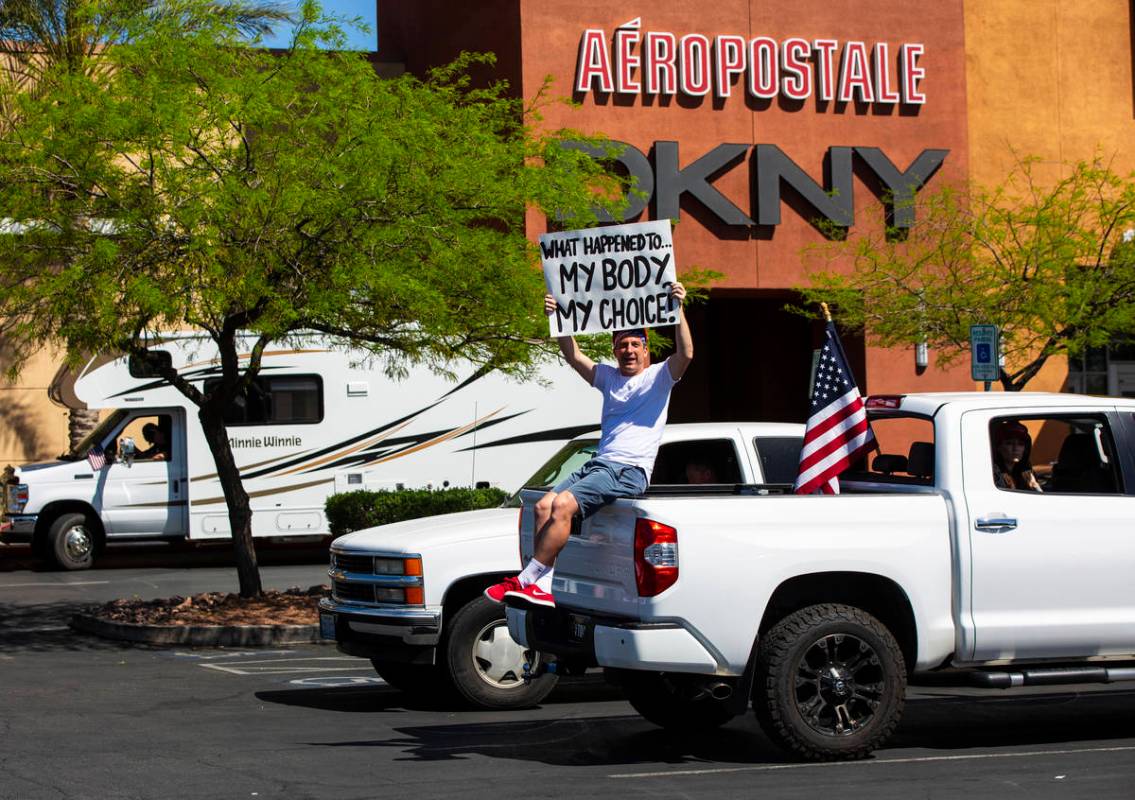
[(197, 635)]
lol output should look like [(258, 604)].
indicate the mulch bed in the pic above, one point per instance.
[(290, 607)]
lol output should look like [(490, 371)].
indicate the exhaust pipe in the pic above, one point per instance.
[(719, 690)]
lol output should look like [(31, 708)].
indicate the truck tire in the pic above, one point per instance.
[(71, 541), (485, 665), (419, 680), (830, 683), (669, 705)]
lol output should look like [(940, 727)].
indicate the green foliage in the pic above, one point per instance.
[(1044, 260), (277, 193), (353, 511), (190, 180)]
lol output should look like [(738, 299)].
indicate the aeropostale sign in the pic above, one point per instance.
[(661, 63), (633, 61)]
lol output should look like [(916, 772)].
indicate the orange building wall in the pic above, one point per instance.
[(1049, 79)]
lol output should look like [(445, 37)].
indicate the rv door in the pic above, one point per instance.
[(143, 489)]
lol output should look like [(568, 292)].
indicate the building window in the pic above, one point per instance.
[(1087, 373)]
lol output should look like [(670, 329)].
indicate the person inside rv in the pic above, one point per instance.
[(158, 440)]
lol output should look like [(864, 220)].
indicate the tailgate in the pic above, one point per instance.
[(596, 570)]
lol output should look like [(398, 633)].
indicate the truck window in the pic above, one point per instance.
[(700, 461), (1053, 455), (780, 457), (571, 457), (905, 454), (277, 400)]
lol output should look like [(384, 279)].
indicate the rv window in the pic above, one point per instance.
[(283, 400), (148, 364)]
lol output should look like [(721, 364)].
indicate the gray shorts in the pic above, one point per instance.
[(598, 482)]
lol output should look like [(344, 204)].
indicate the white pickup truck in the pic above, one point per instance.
[(819, 609), (409, 596)]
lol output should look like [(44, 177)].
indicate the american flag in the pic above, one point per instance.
[(96, 458), (837, 432)]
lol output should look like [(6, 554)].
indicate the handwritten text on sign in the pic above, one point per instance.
[(610, 279)]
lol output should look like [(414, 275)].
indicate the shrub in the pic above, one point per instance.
[(353, 511)]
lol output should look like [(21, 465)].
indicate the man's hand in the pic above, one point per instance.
[(549, 305), (683, 342)]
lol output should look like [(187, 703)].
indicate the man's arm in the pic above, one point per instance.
[(683, 342), (572, 354)]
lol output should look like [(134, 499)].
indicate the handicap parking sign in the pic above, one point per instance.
[(984, 352)]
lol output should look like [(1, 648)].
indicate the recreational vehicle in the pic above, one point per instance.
[(317, 420)]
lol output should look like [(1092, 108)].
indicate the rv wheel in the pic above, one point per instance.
[(71, 541)]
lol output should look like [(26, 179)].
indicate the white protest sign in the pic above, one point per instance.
[(610, 279)]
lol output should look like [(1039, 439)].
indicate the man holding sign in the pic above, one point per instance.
[(636, 396)]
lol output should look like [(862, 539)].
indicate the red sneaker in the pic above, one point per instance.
[(497, 591), (531, 595)]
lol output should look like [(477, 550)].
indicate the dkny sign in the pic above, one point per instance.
[(663, 183)]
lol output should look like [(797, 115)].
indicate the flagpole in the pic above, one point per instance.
[(827, 314)]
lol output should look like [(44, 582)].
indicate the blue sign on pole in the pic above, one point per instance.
[(985, 352)]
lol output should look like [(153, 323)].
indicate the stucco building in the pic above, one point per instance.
[(749, 120)]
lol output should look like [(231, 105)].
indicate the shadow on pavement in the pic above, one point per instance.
[(951, 723), (586, 741), (370, 699), (1056, 717), (43, 628)]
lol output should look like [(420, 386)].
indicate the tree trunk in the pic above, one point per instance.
[(80, 422), (236, 498)]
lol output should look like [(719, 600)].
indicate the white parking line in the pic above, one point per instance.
[(876, 762), (284, 666), (51, 583)]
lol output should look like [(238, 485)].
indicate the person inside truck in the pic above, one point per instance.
[(700, 472), (636, 396), (1012, 452), (158, 441)]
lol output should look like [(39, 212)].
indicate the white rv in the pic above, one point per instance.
[(317, 421)]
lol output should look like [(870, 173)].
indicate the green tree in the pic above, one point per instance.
[(1047, 261), (42, 37), (201, 182)]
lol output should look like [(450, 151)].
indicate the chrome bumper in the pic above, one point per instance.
[(18, 527), (413, 626)]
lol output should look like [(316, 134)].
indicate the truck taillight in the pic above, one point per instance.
[(16, 497), (655, 557)]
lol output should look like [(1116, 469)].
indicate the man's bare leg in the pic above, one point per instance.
[(553, 534), (543, 510)]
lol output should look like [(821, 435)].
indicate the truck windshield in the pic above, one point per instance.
[(571, 457), (97, 435)]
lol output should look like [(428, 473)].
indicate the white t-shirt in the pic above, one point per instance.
[(634, 413)]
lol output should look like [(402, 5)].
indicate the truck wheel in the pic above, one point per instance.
[(411, 679), (669, 705), (830, 683), (71, 541), (484, 663)]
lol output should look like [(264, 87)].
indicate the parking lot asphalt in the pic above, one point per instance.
[(82, 717)]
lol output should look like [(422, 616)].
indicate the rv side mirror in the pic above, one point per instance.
[(126, 450)]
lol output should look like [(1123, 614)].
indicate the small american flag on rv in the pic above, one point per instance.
[(837, 432), (96, 458)]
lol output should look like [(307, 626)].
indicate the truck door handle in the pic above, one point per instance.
[(999, 524)]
